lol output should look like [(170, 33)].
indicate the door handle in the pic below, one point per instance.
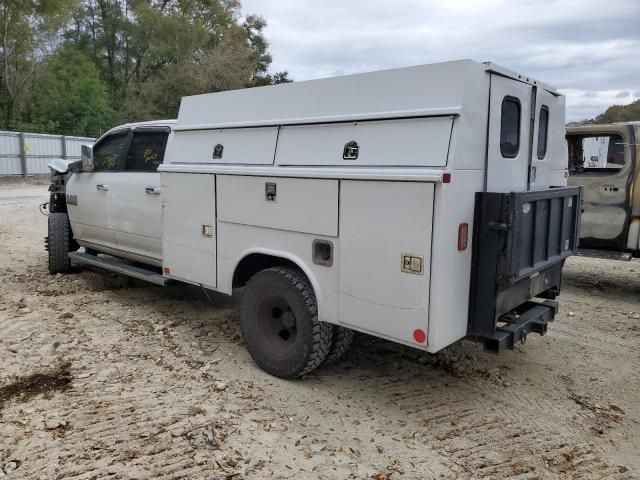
[(102, 187), (152, 190)]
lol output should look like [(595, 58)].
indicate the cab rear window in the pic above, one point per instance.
[(146, 152), (510, 127)]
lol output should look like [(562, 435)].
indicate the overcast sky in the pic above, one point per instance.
[(589, 49)]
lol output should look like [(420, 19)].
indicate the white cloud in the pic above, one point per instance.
[(576, 45)]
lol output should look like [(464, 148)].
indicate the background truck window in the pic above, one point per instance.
[(543, 129), (596, 153), (146, 152), (107, 155), (510, 127)]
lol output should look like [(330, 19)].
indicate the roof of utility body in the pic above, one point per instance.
[(424, 90)]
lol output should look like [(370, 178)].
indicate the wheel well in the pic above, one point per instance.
[(255, 262)]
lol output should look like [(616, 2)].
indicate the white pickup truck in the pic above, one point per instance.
[(422, 205)]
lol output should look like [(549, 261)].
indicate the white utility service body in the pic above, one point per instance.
[(367, 183)]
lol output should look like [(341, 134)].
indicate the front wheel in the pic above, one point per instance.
[(279, 322), (59, 242)]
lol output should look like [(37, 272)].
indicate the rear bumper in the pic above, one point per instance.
[(521, 240)]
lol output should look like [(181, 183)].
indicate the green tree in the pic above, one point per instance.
[(67, 97), (620, 113), (28, 29)]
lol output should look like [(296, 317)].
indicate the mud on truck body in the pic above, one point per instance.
[(422, 205)]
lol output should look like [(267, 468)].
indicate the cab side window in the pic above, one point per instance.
[(146, 152), (107, 155)]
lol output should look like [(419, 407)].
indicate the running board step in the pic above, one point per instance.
[(119, 267), (624, 256)]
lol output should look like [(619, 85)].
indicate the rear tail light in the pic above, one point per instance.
[(463, 236)]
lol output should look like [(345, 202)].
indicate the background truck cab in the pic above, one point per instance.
[(604, 159)]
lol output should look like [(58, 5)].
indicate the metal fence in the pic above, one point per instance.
[(28, 153)]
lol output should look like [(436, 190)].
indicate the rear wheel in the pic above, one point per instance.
[(279, 322), (340, 343), (59, 242)]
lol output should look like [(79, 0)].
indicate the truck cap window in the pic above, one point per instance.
[(107, 154), (510, 127), (543, 131), (146, 152), (596, 153)]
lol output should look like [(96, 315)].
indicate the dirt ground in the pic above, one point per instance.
[(105, 377)]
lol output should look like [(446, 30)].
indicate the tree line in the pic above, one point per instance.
[(78, 67)]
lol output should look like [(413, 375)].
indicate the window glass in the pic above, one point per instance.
[(596, 153), (107, 155), (146, 151), (510, 127), (543, 128)]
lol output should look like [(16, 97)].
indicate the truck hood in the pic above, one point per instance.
[(60, 164)]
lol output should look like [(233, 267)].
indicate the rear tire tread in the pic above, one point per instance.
[(321, 333), (342, 339)]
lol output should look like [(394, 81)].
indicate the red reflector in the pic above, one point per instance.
[(419, 335), (463, 236), (446, 177), (167, 271)]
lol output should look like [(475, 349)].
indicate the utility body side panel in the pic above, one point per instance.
[(189, 227), (451, 267), (381, 224), (237, 241)]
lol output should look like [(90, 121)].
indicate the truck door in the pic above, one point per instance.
[(136, 201), (89, 193), (549, 156), (509, 135), (600, 159)]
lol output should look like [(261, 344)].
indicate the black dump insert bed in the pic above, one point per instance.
[(520, 242)]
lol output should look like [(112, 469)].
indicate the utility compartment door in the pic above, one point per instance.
[(408, 142), (508, 149), (382, 226), (188, 227), (238, 146)]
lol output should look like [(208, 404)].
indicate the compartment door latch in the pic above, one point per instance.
[(351, 150)]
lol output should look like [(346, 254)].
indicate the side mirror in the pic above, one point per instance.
[(87, 158)]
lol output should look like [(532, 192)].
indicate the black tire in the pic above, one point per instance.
[(59, 243), (279, 323), (340, 343)]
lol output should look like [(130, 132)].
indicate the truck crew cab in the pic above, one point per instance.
[(422, 205)]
